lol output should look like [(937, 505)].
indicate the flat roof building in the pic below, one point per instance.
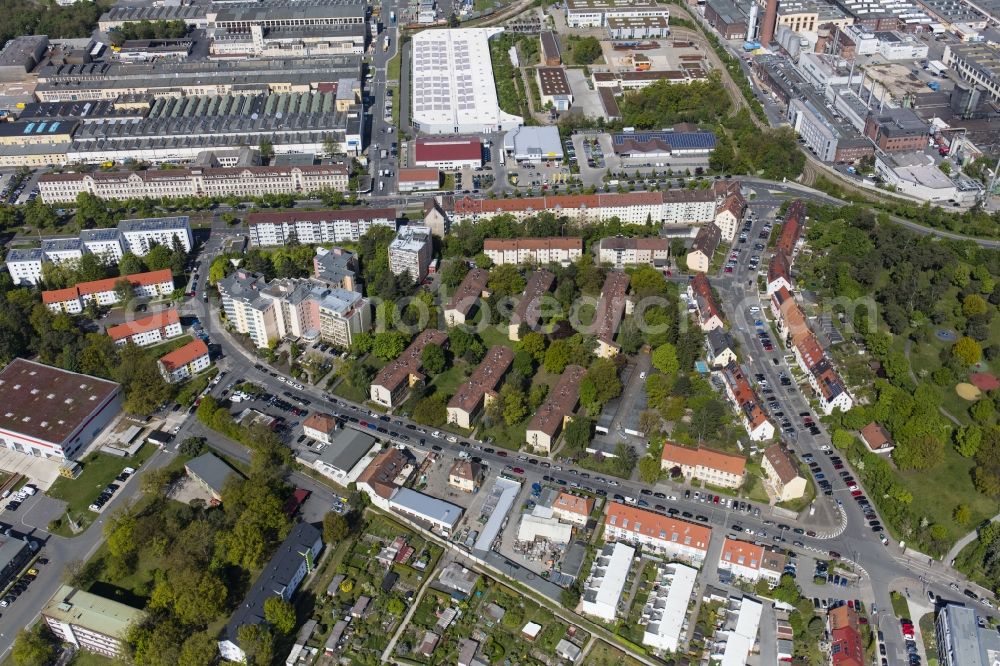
[(666, 607), (603, 588), (533, 144), (346, 456), (960, 639), (90, 622)]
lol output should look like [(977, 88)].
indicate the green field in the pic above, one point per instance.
[(603, 654)]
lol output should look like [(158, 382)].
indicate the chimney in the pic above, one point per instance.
[(770, 18)]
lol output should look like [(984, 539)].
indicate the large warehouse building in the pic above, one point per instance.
[(53, 413), (453, 87)]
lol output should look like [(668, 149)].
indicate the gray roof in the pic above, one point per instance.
[(155, 223), (25, 254), (212, 471), (719, 340), (347, 448), (10, 549), (527, 140), (969, 644), (425, 505)]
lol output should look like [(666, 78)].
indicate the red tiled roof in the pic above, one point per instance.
[(108, 284), (704, 457), (484, 380), (352, 214), (657, 526), (409, 362), (573, 504), (181, 357), (611, 307), (703, 297), (782, 464), (792, 228), (560, 403), (418, 174), (744, 394), (528, 308), (514, 244), (742, 553), (875, 436), (324, 423), (448, 149), (152, 322), (469, 291)]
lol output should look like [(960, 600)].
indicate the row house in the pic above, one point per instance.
[(751, 562), (480, 390), (747, 403), (548, 421), (667, 536), (707, 309), (609, 313), (529, 308), (711, 467)]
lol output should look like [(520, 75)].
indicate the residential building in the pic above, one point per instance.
[(846, 644), (665, 535), (782, 474), (342, 315), (729, 215), (706, 242), (336, 268), (961, 641), (53, 413), (245, 308), (313, 227), (620, 251), (480, 389), (295, 557), (465, 475), (146, 331), (448, 153), (740, 635), (603, 589), (721, 348), (185, 362), (105, 292), (877, 438), (528, 312), (410, 252), (791, 229), (415, 179), (609, 313), (346, 456), (572, 508), (320, 427), (748, 406), (750, 561), (395, 378), (779, 274), (139, 236), (90, 622), (465, 300), (548, 421), (596, 13), (707, 465), (211, 474), (537, 251), (193, 182), (709, 315), (667, 606)]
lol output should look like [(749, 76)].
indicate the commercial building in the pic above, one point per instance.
[(846, 644), (346, 456), (193, 182), (383, 479), (536, 251), (918, 176), (480, 389), (410, 252), (746, 402), (551, 52), (150, 330), (609, 313), (538, 527), (90, 622), (185, 362), (528, 312), (20, 55), (533, 144), (624, 80), (453, 90), (53, 413), (295, 557), (448, 153), (667, 606), (726, 18), (105, 292), (707, 311), (707, 465), (415, 179), (655, 147), (668, 536), (554, 90), (211, 473), (395, 378), (466, 297), (320, 427), (638, 27), (706, 242), (313, 227), (603, 588), (782, 474), (595, 13), (545, 425), (621, 251), (960, 639)]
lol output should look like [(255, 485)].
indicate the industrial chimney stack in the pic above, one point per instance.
[(770, 19)]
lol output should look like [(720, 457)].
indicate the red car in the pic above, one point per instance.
[(856, 493), (502, 454), (518, 470)]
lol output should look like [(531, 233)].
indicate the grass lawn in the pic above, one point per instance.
[(757, 492), (899, 606), (392, 68), (509, 437), (99, 469), (348, 392), (168, 346), (603, 654), (927, 629), (496, 334), (84, 658), (801, 503)]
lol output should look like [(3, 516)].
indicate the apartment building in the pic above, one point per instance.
[(410, 252), (548, 421), (465, 475), (750, 561), (604, 586), (847, 646), (105, 292), (961, 640), (90, 622), (140, 235), (572, 508), (782, 474), (336, 268), (746, 402), (706, 465), (707, 309), (480, 389), (779, 274), (609, 313), (706, 242), (314, 227), (465, 300), (667, 536), (537, 251), (620, 251), (528, 312), (146, 331), (248, 181), (392, 381), (720, 348), (246, 310), (185, 362), (729, 215)]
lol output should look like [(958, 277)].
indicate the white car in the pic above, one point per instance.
[(986, 602), (436, 433), (853, 487), (642, 375), (754, 309), (825, 447), (452, 438)]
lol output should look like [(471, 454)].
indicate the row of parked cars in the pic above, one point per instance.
[(20, 586), (15, 499), (110, 490)]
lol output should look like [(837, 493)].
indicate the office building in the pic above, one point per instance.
[(596, 13), (53, 413), (106, 292), (480, 390), (410, 252), (554, 90), (637, 27), (448, 153), (90, 622), (556, 411)]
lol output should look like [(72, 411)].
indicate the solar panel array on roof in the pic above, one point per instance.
[(675, 139)]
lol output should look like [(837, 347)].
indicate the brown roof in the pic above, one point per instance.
[(152, 322), (469, 291), (553, 81), (178, 358), (324, 423), (465, 469), (875, 436), (744, 394), (560, 403), (786, 470), (704, 457), (418, 174), (657, 526), (842, 616), (383, 470), (550, 46), (792, 228), (779, 268), (735, 204), (702, 290), (48, 404), (395, 373), (556, 202), (707, 240), (351, 214), (484, 380), (514, 244), (108, 284), (528, 310), (609, 103), (611, 307), (573, 504), (655, 75)]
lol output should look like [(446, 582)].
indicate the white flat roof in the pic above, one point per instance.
[(508, 493), (430, 508), (741, 640), (609, 589), (671, 615), (453, 85)]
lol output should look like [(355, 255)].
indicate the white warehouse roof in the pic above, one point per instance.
[(453, 87)]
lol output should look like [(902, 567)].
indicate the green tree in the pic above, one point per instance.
[(577, 434), (967, 351), (453, 273), (600, 384), (35, 646), (432, 411), (962, 514), (158, 258), (649, 469), (280, 615), (665, 359), (533, 343), (974, 305), (257, 643), (388, 345), (968, 440), (506, 280), (335, 528), (515, 406), (143, 386), (433, 359), (199, 596), (586, 50), (266, 149), (557, 357), (200, 649), (537, 395)]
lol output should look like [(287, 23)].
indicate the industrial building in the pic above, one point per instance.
[(726, 18), (346, 456), (316, 227), (638, 27), (448, 153), (595, 13), (533, 144), (554, 88), (453, 90), (657, 146)]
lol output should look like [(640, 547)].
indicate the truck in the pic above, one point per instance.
[(937, 67)]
